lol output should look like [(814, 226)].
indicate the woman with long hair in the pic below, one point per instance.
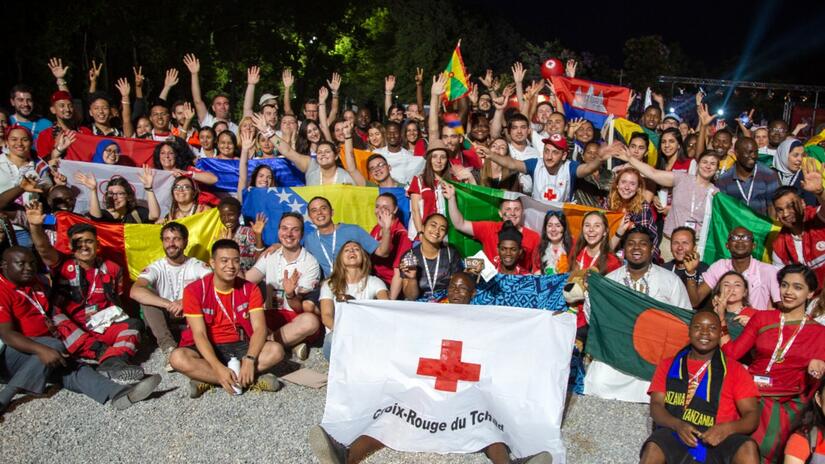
[(265, 148), (787, 349), (376, 136), (555, 244), (185, 196), (592, 189), (309, 136), (731, 296), (493, 174), (425, 190), (227, 145), (807, 440), (207, 137), (120, 203), (592, 247), (350, 280), (672, 150), (637, 148), (627, 196), (426, 269), (262, 176), (177, 157), (413, 139)]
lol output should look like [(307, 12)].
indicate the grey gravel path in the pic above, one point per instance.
[(252, 428)]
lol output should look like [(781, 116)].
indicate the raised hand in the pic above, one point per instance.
[(448, 190), (473, 95), (94, 71), (439, 82), (384, 219), (346, 128), (260, 122), (147, 177), (812, 176), (29, 184), (247, 140), (193, 64), (533, 89), (171, 78), (487, 80), (335, 83), (705, 118), (419, 76), (570, 68), (699, 97), (323, 93), (87, 180), (188, 113), (389, 83), (57, 68), (123, 86), (633, 97), (64, 139), (287, 78), (258, 225), (253, 75), (138, 72), (518, 72), (290, 282), (691, 262), (34, 213), (573, 126), (798, 128)]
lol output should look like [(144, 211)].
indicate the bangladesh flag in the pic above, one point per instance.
[(633, 332), (727, 213), (478, 203)]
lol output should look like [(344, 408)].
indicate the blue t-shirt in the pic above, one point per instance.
[(36, 127), (317, 244)]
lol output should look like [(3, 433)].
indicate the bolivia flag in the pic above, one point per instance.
[(134, 152), (478, 203), (134, 246), (590, 100), (457, 85), (724, 215)]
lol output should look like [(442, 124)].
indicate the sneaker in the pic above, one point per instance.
[(197, 388), (325, 448), (167, 353), (301, 350), (120, 371), (135, 393), (267, 383), (541, 458)]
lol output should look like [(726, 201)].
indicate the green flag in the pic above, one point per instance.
[(476, 203), (727, 213)]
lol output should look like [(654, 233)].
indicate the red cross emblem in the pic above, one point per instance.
[(550, 194), (449, 369)]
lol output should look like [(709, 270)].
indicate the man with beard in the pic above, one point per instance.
[(159, 287), (21, 100), (54, 142), (802, 238), (510, 251), (641, 275), (763, 288), (747, 182)]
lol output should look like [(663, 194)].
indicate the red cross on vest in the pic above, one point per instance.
[(449, 369), (550, 194)]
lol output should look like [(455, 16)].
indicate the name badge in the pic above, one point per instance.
[(762, 380), (693, 225)]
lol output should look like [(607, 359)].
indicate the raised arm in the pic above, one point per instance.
[(419, 89), (125, 89), (518, 78), (169, 81), (26, 185), (605, 153), (301, 161), (334, 85), (500, 104), (323, 121), (94, 73), (253, 76), (147, 178), (705, 119), (456, 217), (663, 178), (247, 143), (745, 131), (193, 64), (35, 218), (503, 161), (90, 182), (812, 180), (436, 91), (389, 85), (59, 72), (349, 154), (288, 80), (696, 292)]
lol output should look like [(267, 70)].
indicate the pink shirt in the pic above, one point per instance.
[(763, 288)]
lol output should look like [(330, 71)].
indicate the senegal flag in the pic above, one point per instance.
[(457, 85), (134, 246), (727, 213), (478, 203)]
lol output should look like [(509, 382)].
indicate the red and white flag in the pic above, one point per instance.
[(425, 377)]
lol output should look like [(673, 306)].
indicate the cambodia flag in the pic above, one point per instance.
[(590, 100)]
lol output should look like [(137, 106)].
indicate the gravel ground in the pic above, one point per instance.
[(173, 428)]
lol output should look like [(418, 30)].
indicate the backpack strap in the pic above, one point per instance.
[(136, 216)]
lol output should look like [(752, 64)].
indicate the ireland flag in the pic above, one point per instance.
[(447, 378)]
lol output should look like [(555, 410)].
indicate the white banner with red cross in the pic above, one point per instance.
[(449, 378)]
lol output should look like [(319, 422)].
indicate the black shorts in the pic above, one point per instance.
[(676, 452), (226, 351)]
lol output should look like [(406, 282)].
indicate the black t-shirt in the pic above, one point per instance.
[(671, 266), (449, 262), (139, 215)]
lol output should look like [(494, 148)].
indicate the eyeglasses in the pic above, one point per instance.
[(182, 188), (378, 166), (740, 238)]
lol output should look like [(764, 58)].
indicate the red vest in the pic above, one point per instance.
[(813, 244), (205, 290), (72, 293)]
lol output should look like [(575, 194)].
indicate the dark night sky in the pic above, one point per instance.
[(790, 48)]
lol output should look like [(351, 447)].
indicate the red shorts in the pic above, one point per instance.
[(275, 319)]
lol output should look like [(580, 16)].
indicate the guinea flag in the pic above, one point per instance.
[(479, 203), (726, 213), (134, 246), (457, 85)]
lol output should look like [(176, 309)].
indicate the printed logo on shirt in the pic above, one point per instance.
[(820, 246)]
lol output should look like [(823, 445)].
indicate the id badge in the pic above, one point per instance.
[(762, 381), (693, 225), (90, 310)]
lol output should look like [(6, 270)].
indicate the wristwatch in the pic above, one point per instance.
[(251, 358)]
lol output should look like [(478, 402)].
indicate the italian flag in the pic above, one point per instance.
[(478, 203), (726, 213), (134, 246)]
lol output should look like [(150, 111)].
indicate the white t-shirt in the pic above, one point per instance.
[(210, 121), (169, 280), (404, 165), (362, 291), (313, 175), (528, 153), (274, 265)]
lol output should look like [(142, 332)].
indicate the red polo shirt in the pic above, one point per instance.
[(399, 245), (16, 309)]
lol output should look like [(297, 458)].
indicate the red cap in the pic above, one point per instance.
[(557, 141), (61, 95)]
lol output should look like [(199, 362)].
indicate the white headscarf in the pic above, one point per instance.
[(780, 161)]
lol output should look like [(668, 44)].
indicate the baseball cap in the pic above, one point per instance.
[(60, 95), (673, 116), (557, 141), (266, 97)]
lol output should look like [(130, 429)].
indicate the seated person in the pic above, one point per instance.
[(159, 287), (510, 251), (226, 320), (704, 404), (807, 442), (34, 347), (426, 269), (386, 209), (87, 290), (683, 245), (290, 273)]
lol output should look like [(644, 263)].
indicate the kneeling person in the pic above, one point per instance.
[(226, 320), (703, 403)]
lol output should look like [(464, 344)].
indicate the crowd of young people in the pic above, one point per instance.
[(74, 314)]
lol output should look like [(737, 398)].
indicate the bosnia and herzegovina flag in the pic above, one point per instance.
[(351, 205), (478, 203), (134, 246), (591, 100), (457, 85), (723, 215)]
